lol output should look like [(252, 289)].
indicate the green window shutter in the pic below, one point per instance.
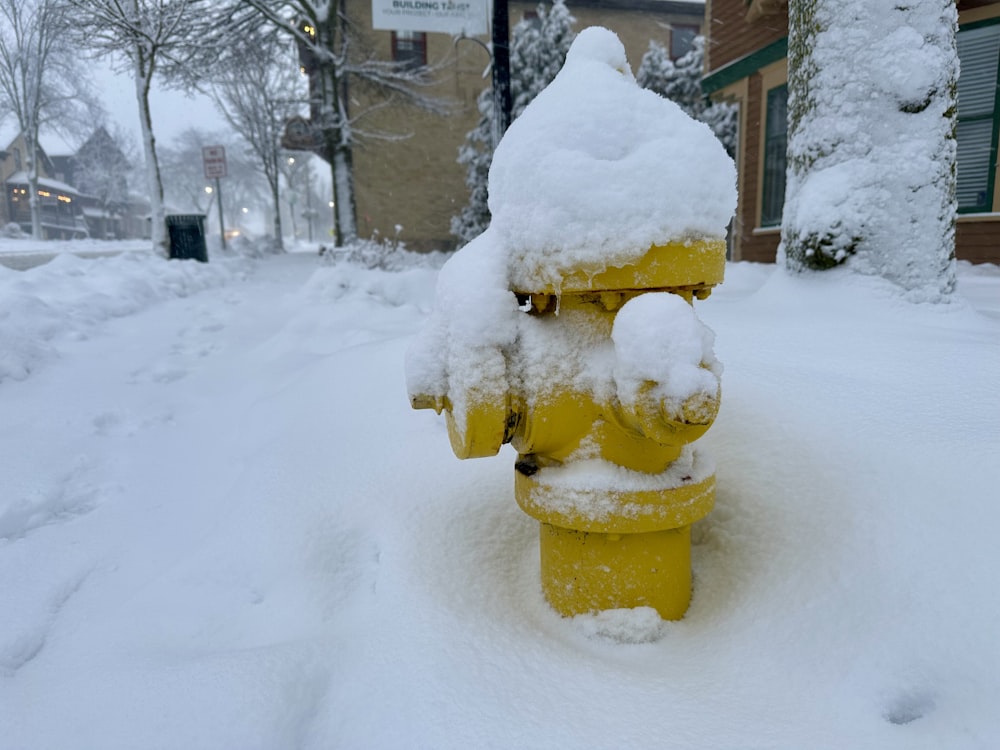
[(979, 55), (775, 156)]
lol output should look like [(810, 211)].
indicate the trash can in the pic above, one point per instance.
[(187, 237)]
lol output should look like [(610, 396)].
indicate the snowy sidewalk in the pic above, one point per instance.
[(221, 526)]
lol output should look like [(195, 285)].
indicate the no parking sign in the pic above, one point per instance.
[(214, 158)]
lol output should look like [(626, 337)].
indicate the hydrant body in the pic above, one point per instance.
[(613, 483), (567, 330)]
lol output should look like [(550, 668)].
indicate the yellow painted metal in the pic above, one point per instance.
[(697, 264), (589, 571), (481, 430), (614, 511), (635, 553)]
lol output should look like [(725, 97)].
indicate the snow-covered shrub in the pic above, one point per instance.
[(11, 230), (385, 255)]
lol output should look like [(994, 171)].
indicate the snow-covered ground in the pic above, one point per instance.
[(222, 526)]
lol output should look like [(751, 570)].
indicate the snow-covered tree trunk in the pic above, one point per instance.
[(871, 140), (335, 127), (31, 168), (143, 82)]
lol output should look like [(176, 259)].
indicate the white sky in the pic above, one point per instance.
[(173, 111)]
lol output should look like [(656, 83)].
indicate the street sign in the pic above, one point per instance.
[(299, 135), (214, 158), (453, 17)]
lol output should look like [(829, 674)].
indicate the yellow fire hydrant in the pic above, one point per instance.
[(588, 360), (610, 480)]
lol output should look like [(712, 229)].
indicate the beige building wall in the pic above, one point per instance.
[(413, 180)]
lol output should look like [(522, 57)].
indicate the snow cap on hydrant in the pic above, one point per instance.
[(597, 170), (566, 329)]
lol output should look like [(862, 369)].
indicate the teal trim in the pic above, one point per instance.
[(979, 24), (745, 66)]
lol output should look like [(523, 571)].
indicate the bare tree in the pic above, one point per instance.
[(255, 91), (186, 187), (144, 38), (335, 55), (40, 82), (300, 192), (101, 168)]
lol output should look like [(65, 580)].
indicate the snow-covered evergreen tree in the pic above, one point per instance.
[(537, 53), (680, 82), (101, 170), (871, 140)]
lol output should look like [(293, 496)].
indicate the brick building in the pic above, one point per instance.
[(415, 182), (745, 62)]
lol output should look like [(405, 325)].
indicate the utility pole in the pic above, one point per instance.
[(501, 70)]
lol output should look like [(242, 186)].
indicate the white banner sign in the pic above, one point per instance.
[(445, 16)]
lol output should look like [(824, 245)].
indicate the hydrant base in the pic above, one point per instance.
[(585, 572)]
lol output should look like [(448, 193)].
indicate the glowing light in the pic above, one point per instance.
[(208, 189), (246, 210), (45, 193)]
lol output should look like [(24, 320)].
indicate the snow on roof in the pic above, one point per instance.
[(51, 143), (21, 178)]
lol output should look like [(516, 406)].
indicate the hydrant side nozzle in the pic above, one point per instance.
[(423, 401), (480, 428), (670, 423)]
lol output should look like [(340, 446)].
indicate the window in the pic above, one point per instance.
[(681, 38), (775, 157), (409, 48), (979, 54)]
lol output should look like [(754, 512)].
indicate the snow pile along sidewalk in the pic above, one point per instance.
[(69, 296)]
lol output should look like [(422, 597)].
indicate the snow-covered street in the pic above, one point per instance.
[(222, 526)]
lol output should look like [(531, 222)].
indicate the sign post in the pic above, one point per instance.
[(214, 158)]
